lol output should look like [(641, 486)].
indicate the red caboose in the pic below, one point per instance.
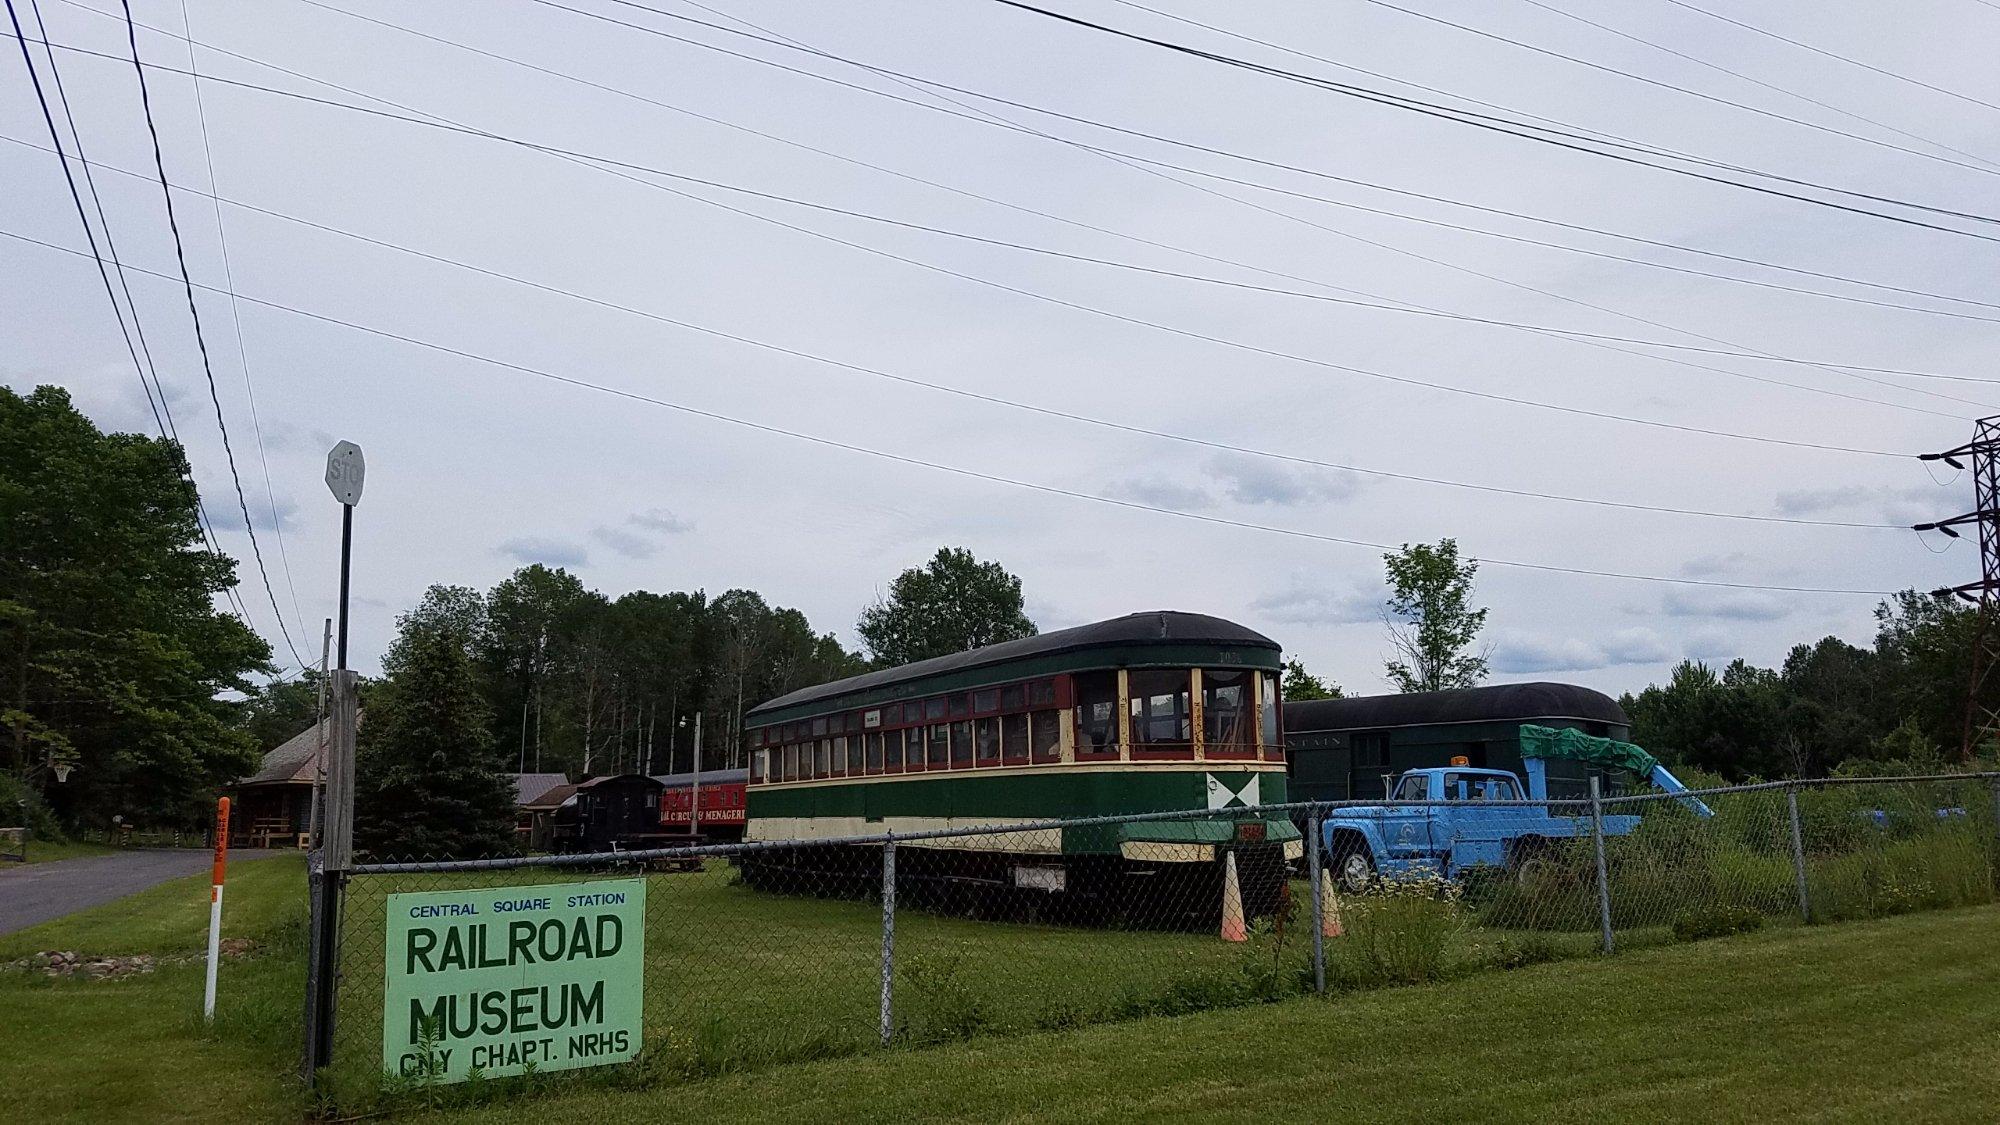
[(720, 816)]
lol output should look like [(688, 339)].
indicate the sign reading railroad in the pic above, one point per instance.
[(504, 980)]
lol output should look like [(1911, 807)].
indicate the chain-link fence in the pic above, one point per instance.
[(746, 955)]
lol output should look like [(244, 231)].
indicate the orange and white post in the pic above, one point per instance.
[(215, 907)]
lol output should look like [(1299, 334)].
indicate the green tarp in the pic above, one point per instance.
[(1547, 742)]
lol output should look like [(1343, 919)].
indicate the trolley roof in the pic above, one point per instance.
[(1154, 630), (1497, 703)]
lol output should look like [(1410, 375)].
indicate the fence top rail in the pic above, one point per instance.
[(1803, 783), (1568, 806)]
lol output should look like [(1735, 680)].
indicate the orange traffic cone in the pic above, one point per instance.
[(1329, 921), (1233, 928)]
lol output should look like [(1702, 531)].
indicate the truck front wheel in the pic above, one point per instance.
[(1353, 867)]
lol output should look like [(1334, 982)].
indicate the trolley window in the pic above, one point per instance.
[(1045, 735), (1097, 715), (874, 762), (1014, 739), (986, 702), (986, 741), (961, 744), (1267, 706), (1161, 713), (936, 753), (1013, 697), (1228, 726)]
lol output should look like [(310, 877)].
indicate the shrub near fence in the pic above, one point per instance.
[(757, 955)]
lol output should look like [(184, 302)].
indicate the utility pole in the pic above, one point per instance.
[(1983, 452)]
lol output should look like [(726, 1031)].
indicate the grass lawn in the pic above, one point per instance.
[(1886, 1020), (173, 917), (134, 1048), (44, 851)]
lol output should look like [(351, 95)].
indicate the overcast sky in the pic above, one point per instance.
[(475, 469)]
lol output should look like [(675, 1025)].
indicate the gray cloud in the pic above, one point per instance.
[(536, 549), (625, 543), (1889, 505), (1711, 645), (1312, 605), (1249, 480), (660, 520), (1525, 653), (1734, 605), (1163, 493)]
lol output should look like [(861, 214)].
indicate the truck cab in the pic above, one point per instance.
[(1462, 822)]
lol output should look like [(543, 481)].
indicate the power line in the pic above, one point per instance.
[(1140, 134), (163, 416), (1640, 78), (1139, 165), (833, 443), (1740, 76), (1001, 401), (434, 121), (1845, 370), (1832, 55), (991, 120), (1572, 141), (83, 215), (201, 341), (236, 322)]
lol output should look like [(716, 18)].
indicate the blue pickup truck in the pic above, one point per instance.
[(1466, 828)]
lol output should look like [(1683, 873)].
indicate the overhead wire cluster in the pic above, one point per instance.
[(1929, 215)]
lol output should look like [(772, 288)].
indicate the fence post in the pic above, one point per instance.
[(1603, 875), (317, 908), (1798, 852), (888, 938), (1318, 897)]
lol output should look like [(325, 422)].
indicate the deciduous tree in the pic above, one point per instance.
[(1298, 685), (1433, 624), (950, 604), (112, 652)]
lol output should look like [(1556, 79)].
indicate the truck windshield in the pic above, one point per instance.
[(1479, 787)]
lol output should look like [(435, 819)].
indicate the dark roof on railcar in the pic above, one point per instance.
[(1156, 627), (685, 780), (1498, 703)]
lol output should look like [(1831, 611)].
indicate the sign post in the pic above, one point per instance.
[(345, 469), (505, 980), (215, 907)]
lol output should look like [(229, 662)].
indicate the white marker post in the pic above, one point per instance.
[(215, 908)]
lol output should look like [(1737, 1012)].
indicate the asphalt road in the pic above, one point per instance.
[(37, 892)]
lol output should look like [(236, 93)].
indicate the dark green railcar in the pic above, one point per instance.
[(1151, 712), (1349, 749)]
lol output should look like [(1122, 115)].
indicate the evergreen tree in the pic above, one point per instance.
[(429, 782)]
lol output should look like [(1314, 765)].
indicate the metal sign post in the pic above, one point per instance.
[(345, 468)]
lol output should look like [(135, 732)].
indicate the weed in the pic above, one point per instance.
[(1713, 920)]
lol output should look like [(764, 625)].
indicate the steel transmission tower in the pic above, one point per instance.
[(1983, 453)]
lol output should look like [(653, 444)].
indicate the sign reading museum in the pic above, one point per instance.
[(500, 980)]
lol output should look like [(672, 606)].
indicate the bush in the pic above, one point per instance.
[(14, 795), (946, 1006), (1404, 934), (1716, 920), (1519, 953)]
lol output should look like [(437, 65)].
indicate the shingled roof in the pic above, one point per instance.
[(294, 761)]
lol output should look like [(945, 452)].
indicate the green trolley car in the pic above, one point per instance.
[(1151, 712)]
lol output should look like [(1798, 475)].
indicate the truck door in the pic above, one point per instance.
[(1406, 830), (1475, 833)]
